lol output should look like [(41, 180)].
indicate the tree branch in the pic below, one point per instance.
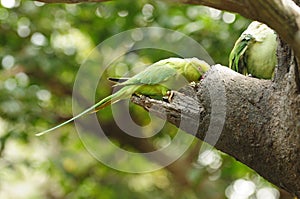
[(254, 128)]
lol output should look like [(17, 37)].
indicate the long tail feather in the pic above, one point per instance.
[(121, 94)]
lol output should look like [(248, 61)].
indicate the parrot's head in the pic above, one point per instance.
[(258, 31), (197, 66)]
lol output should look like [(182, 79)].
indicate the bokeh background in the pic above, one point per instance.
[(41, 49)]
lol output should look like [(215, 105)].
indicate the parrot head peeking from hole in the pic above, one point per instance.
[(254, 53)]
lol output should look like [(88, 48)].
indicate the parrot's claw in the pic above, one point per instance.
[(193, 84), (168, 97)]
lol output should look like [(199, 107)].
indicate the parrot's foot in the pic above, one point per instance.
[(193, 84), (168, 97)]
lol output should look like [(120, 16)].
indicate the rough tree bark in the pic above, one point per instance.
[(255, 121)]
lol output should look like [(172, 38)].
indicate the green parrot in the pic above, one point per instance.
[(254, 53), (155, 81)]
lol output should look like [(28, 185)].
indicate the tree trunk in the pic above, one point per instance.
[(255, 121)]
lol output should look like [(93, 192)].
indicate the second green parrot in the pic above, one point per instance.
[(254, 53), (155, 81)]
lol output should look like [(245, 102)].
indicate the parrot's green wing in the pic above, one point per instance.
[(154, 74), (237, 58)]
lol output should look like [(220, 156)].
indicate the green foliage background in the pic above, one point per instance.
[(41, 49)]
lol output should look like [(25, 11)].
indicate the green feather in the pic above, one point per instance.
[(237, 58), (122, 93), (152, 75)]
